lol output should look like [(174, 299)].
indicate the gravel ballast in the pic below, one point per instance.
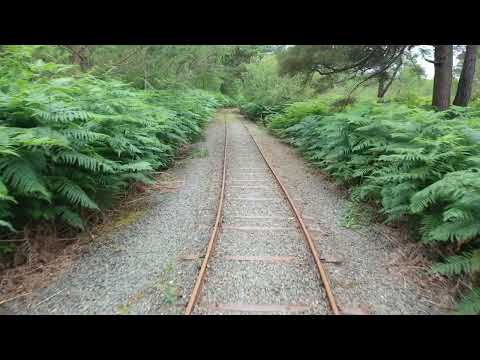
[(369, 275), (258, 222), (150, 265), (136, 269)]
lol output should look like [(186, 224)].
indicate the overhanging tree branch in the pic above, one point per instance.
[(74, 51), (334, 70), (122, 61), (389, 63)]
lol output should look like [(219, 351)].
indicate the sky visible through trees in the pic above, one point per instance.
[(80, 124)]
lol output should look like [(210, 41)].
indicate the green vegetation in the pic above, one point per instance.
[(415, 164), (357, 216), (80, 124), (70, 142), (265, 92)]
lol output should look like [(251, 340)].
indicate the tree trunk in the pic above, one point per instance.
[(79, 56), (76, 57), (381, 87), (145, 68), (386, 80), (442, 80), (464, 89)]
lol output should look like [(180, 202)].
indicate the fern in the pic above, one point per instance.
[(74, 193), (139, 177), (84, 135), (470, 304), (467, 263), (72, 142), (95, 164), (20, 174), (62, 115), (137, 166), (70, 217), (412, 162), (4, 193), (7, 225)]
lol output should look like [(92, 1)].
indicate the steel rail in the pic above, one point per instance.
[(201, 274), (311, 245)]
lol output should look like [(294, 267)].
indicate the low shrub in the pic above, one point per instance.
[(71, 143), (413, 163)]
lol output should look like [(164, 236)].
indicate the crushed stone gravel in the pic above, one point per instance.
[(364, 278), (136, 270), (150, 265), (254, 283)]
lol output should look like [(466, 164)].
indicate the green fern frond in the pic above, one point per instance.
[(467, 263), (4, 193), (70, 217), (22, 177), (470, 304), (74, 194), (84, 135), (7, 225), (62, 115), (136, 166), (454, 232), (95, 164)]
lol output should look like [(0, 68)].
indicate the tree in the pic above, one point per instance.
[(262, 84), (442, 80), (385, 80), (366, 62), (465, 84), (79, 55), (234, 62)]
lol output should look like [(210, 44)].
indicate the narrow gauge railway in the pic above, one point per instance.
[(256, 260)]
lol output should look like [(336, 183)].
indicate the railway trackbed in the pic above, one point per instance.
[(266, 261), (260, 260)]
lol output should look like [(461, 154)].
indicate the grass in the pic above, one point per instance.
[(166, 285), (356, 216)]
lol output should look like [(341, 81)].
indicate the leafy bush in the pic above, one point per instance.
[(297, 111), (70, 144), (258, 112), (252, 110), (265, 93), (224, 100), (343, 103), (412, 100), (413, 163)]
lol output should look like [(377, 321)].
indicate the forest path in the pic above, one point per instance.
[(149, 266)]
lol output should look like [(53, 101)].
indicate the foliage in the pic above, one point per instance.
[(411, 162), (208, 67), (357, 216), (264, 92), (297, 111), (471, 303), (329, 59), (71, 143), (258, 112), (73, 138), (346, 62)]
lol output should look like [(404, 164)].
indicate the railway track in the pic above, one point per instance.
[(274, 224)]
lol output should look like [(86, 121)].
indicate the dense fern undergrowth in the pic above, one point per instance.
[(71, 143), (414, 163)]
